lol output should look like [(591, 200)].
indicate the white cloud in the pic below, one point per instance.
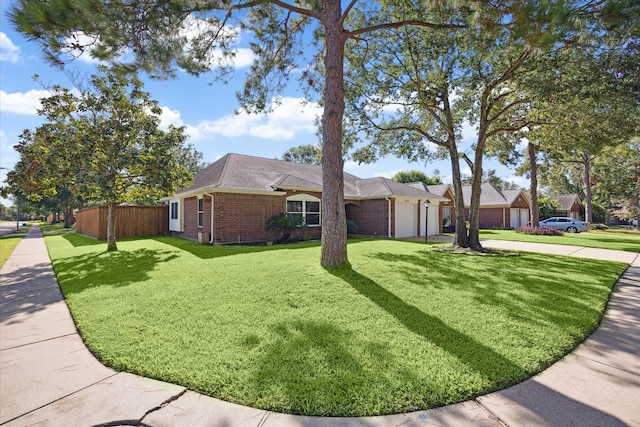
[(465, 171), (22, 102), (8, 51), (469, 132), (195, 30), (520, 181), (388, 174), (284, 122)]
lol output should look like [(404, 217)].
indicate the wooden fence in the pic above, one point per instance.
[(131, 221)]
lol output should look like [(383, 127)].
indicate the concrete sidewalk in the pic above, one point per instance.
[(49, 378)]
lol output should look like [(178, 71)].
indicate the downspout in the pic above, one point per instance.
[(211, 234), (389, 222)]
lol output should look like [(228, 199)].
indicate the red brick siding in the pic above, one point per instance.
[(371, 216), (494, 217), (242, 217)]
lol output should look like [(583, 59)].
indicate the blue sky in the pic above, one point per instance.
[(206, 108)]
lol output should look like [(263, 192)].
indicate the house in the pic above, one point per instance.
[(499, 208), (231, 200), (568, 205), (447, 213)]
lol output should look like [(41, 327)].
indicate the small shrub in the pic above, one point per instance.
[(352, 228), (599, 226), (541, 231)]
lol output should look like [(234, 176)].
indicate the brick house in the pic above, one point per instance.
[(499, 208), (568, 205), (231, 200)]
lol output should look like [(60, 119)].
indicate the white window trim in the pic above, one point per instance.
[(200, 214), (304, 198)]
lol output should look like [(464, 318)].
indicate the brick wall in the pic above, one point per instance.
[(494, 217), (371, 216)]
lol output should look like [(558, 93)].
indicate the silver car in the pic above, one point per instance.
[(564, 223)]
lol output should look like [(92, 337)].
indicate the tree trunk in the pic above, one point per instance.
[(461, 239), (68, 213), (111, 226), (334, 223), (586, 162), (533, 170), (476, 181)]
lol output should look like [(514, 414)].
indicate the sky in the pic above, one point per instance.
[(206, 108)]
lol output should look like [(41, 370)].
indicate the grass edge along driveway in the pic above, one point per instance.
[(405, 328), (622, 240)]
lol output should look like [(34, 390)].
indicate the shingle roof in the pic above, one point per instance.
[(238, 172), (491, 195), (565, 201)]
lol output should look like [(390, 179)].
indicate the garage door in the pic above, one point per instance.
[(406, 219)]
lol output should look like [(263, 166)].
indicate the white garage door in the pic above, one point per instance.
[(519, 217), (406, 219)]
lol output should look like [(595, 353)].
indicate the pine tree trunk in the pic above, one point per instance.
[(461, 239), (334, 224), (586, 162), (533, 170), (111, 226)]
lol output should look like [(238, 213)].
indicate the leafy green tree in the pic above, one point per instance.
[(491, 177), (420, 87), (617, 178), (103, 145), (547, 207), (416, 176), (308, 154), (155, 34)]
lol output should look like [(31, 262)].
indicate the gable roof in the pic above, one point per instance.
[(565, 201), (492, 196), (242, 173)]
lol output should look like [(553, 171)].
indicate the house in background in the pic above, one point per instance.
[(231, 200), (499, 208), (568, 205), (447, 212)]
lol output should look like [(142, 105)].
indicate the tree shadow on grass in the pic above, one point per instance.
[(78, 240), (215, 251), (485, 361), (120, 268), (310, 368), (532, 288)]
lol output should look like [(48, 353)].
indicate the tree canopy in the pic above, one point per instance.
[(103, 145), (416, 176)]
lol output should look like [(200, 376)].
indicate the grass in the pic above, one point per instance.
[(7, 245), (405, 328), (58, 228), (623, 240)]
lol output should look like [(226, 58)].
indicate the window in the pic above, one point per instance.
[(306, 206), (446, 216), (174, 210), (200, 211)]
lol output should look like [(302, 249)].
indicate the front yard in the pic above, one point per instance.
[(405, 328), (622, 240)]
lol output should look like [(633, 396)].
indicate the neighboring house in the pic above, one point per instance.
[(231, 200), (499, 208), (447, 212), (569, 205)]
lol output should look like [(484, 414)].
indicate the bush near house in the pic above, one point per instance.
[(540, 231)]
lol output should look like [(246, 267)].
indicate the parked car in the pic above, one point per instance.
[(564, 223)]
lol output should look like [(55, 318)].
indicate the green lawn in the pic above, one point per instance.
[(405, 328), (57, 228), (7, 245), (623, 240)]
